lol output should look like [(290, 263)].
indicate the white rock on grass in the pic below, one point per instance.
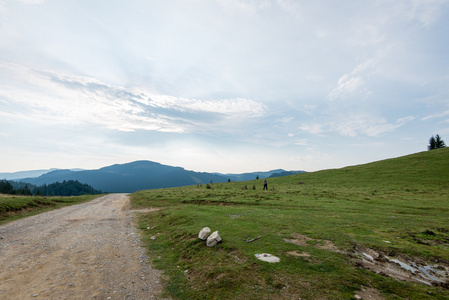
[(213, 239), (268, 257), (204, 233)]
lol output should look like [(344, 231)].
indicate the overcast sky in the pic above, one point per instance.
[(225, 86)]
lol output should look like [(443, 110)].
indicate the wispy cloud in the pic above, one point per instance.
[(313, 128), (72, 98), (434, 116), (350, 83), (352, 125), (384, 127), (346, 85)]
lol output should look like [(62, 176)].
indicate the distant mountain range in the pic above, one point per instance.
[(135, 176), (27, 174)]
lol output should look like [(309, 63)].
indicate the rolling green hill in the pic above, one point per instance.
[(338, 233)]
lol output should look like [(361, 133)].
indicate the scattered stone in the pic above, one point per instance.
[(153, 238), (268, 257), (368, 257), (213, 239), (204, 233)]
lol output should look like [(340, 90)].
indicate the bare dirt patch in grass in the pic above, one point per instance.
[(303, 240), (299, 239), (400, 267)]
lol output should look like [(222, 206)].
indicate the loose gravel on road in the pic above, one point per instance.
[(86, 251)]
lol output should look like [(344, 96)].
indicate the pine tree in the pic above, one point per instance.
[(432, 143), (439, 143), (6, 187), (436, 142)]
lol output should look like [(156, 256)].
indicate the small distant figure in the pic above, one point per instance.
[(265, 185)]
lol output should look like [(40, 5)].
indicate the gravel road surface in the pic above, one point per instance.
[(86, 251)]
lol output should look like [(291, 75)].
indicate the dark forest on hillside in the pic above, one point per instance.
[(65, 188)]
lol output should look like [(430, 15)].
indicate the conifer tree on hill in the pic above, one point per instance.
[(435, 142)]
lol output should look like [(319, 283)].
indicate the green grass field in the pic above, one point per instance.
[(16, 207), (314, 222)]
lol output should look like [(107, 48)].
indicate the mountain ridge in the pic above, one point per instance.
[(140, 175)]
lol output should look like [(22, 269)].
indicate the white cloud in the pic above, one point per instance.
[(350, 83), (438, 115), (70, 98), (352, 125), (346, 85), (230, 107), (384, 127), (312, 128), (301, 142)]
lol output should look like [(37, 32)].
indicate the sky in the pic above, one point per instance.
[(226, 86)]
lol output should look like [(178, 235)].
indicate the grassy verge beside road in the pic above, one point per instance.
[(315, 222), (16, 207)]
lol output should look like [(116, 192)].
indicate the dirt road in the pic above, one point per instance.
[(87, 251)]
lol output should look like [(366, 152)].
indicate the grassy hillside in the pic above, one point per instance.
[(323, 226), (16, 207)]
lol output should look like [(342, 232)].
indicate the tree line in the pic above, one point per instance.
[(7, 188), (65, 188)]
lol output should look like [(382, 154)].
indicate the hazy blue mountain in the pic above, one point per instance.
[(22, 174), (261, 175), (130, 177), (28, 174), (142, 175), (285, 173)]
